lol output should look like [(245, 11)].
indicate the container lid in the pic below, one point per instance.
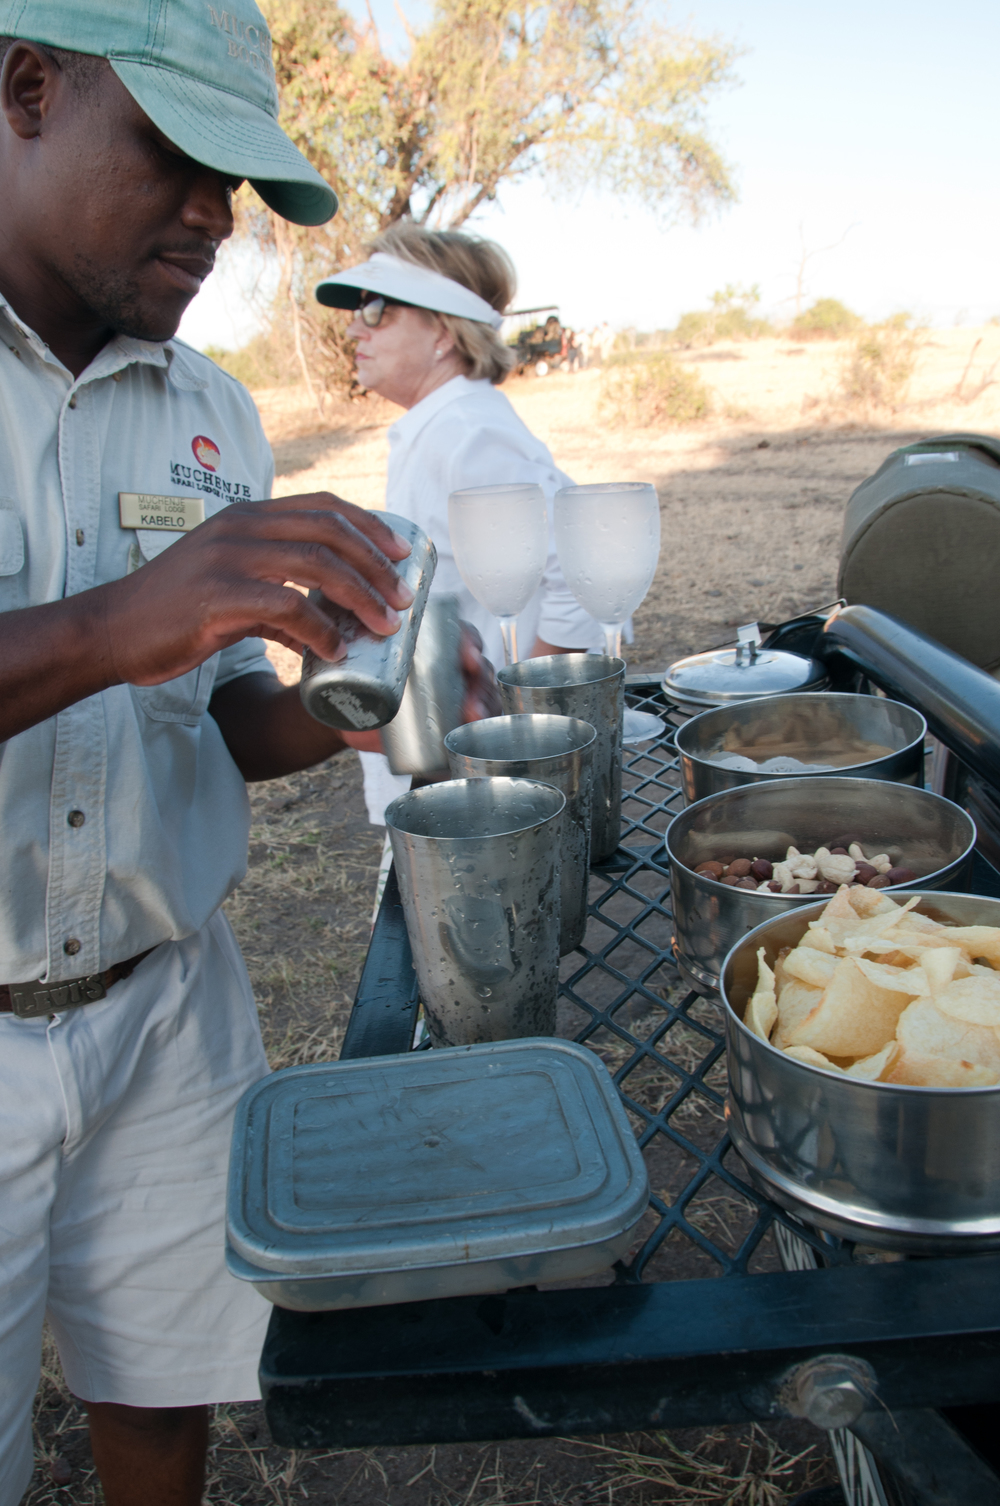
[(435, 1158), (741, 673)]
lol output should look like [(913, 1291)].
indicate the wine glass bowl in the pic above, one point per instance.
[(500, 539), (608, 538)]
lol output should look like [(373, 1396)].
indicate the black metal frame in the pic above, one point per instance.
[(644, 1351)]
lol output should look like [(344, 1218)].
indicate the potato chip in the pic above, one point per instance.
[(901, 980), (974, 1000), (819, 938), (918, 1071), (795, 1002), (976, 941), (810, 1057), (924, 1031), (762, 1011), (868, 902), (855, 1017), (809, 966), (876, 1068), (939, 964)]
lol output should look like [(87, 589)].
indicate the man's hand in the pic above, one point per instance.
[(224, 581)]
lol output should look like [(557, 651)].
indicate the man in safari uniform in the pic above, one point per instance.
[(135, 699)]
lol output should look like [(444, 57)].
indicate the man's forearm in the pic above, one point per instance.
[(52, 656), (267, 729)]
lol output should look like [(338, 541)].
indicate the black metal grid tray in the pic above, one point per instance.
[(365, 1376)]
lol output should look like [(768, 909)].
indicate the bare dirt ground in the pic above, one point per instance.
[(752, 503)]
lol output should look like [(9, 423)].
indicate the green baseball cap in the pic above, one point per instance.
[(204, 76)]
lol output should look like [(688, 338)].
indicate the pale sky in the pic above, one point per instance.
[(874, 125)]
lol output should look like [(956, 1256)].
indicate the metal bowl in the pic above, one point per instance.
[(929, 834), (821, 718), (911, 1169)]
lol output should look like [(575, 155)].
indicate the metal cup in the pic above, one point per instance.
[(591, 687), (557, 750), (478, 868), (432, 700)]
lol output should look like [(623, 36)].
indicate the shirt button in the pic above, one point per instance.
[(72, 946), (76, 818), (72, 401), (80, 536)]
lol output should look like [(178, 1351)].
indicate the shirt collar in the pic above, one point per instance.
[(416, 418), (120, 352)]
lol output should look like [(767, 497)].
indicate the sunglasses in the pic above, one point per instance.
[(373, 306)]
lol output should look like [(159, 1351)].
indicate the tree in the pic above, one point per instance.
[(594, 92)]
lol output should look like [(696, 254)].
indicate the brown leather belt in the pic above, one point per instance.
[(31, 1000)]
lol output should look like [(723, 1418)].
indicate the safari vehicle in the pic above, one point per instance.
[(538, 343)]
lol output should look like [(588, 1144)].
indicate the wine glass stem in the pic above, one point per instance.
[(508, 630), (613, 639)]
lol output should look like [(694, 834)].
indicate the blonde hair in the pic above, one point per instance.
[(478, 264)]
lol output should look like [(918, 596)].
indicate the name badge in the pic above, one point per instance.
[(145, 510)]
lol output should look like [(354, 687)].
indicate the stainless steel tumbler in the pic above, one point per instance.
[(413, 741), (364, 690), (591, 687), (478, 868), (557, 750)]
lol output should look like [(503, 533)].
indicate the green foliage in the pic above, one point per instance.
[(577, 91), (646, 389), (729, 318), (262, 362), (828, 319), (880, 364)]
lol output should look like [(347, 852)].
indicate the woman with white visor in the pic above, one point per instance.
[(428, 310)]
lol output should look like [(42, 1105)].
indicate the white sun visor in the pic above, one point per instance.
[(394, 278)]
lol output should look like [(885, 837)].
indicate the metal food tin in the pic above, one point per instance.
[(432, 1174), (912, 1169), (364, 690), (931, 835), (743, 673), (820, 717)]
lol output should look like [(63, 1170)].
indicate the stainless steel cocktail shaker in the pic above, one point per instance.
[(364, 690), (413, 741)]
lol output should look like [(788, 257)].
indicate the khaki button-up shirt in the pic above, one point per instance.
[(124, 818)]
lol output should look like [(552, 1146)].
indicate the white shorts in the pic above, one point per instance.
[(115, 1122)]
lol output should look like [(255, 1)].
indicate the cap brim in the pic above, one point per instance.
[(227, 132)]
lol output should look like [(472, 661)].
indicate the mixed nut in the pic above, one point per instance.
[(820, 872)]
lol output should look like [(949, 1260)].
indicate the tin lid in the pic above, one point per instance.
[(741, 673), (434, 1158)]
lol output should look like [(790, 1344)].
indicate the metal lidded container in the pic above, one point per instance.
[(816, 727), (431, 1174), (743, 673), (364, 690), (930, 835), (897, 1167)]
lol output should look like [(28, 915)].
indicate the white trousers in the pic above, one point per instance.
[(115, 1122)]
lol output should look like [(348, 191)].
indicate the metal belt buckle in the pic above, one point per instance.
[(30, 1001)]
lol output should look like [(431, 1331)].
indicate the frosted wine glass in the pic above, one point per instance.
[(608, 537), (500, 539)]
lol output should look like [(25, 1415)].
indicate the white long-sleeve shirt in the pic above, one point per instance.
[(467, 434)]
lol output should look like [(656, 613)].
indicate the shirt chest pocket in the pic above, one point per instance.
[(182, 700), (11, 557)]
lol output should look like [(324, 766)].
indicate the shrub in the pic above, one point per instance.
[(880, 364), (729, 318), (828, 319), (644, 390), (265, 361)]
